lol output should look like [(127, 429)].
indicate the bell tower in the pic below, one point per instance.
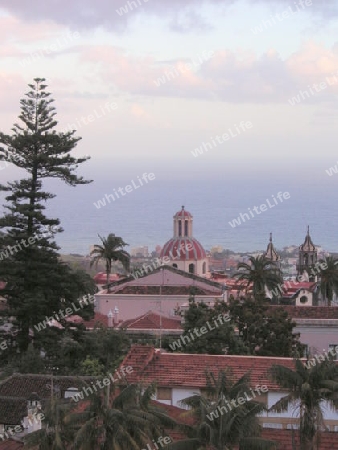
[(307, 257), (182, 224), (272, 254)]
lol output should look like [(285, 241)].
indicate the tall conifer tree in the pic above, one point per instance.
[(38, 284)]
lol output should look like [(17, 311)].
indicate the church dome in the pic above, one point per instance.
[(182, 214), (183, 249)]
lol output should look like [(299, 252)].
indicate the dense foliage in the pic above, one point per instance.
[(38, 284)]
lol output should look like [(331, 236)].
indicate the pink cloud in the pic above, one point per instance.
[(13, 29), (313, 61), (241, 77)]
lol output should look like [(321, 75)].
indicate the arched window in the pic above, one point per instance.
[(204, 268), (185, 228), (191, 268)]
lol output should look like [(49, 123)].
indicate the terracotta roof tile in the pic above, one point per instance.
[(309, 312), (98, 320), (11, 444), (285, 438), (12, 410), (101, 277), (21, 386), (152, 321), (189, 370), (169, 272)]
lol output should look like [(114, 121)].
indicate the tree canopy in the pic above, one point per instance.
[(38, 284)]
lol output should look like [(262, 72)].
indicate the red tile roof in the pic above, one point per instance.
[(189, 370), (21, 386), (152, 321), (290, 288), (98, 320), (11, 444), (284, 439), (309, 312), (74, 319), (15, 391), (176, 279), (12, 410), (101, 277), (179, 414)]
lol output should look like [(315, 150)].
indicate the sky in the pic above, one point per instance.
[(242, 93), (148, 82)]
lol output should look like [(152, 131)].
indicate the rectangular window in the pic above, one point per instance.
[(272, 425), (180, 228), (334, 352), (185, 228), (163, 393)]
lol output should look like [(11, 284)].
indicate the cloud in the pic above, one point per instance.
[(238, 77), (11, 86), (103, 13), (17, 31)]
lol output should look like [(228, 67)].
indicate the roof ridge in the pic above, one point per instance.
[(163, 353), (46, 375), (171, 269), (131, 322)]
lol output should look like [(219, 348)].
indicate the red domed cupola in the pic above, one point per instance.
[(183, 250), (183, 223)]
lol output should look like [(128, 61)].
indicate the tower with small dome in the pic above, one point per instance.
[(271, 253), (307, 256), (183, 250)]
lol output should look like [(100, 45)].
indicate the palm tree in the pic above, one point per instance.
[(308, 386), (221, 424), (110, 250), (127, 421), (328, 275), (261, 273)]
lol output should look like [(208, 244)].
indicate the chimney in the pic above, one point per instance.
[(110, 319), (116, 315)]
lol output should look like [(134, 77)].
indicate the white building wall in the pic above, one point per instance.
[(274, 397), (181, 393), (131, 306), (304, 293), (317, 334), (198, 265)]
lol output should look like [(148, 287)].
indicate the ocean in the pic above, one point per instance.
[(144, 215)]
